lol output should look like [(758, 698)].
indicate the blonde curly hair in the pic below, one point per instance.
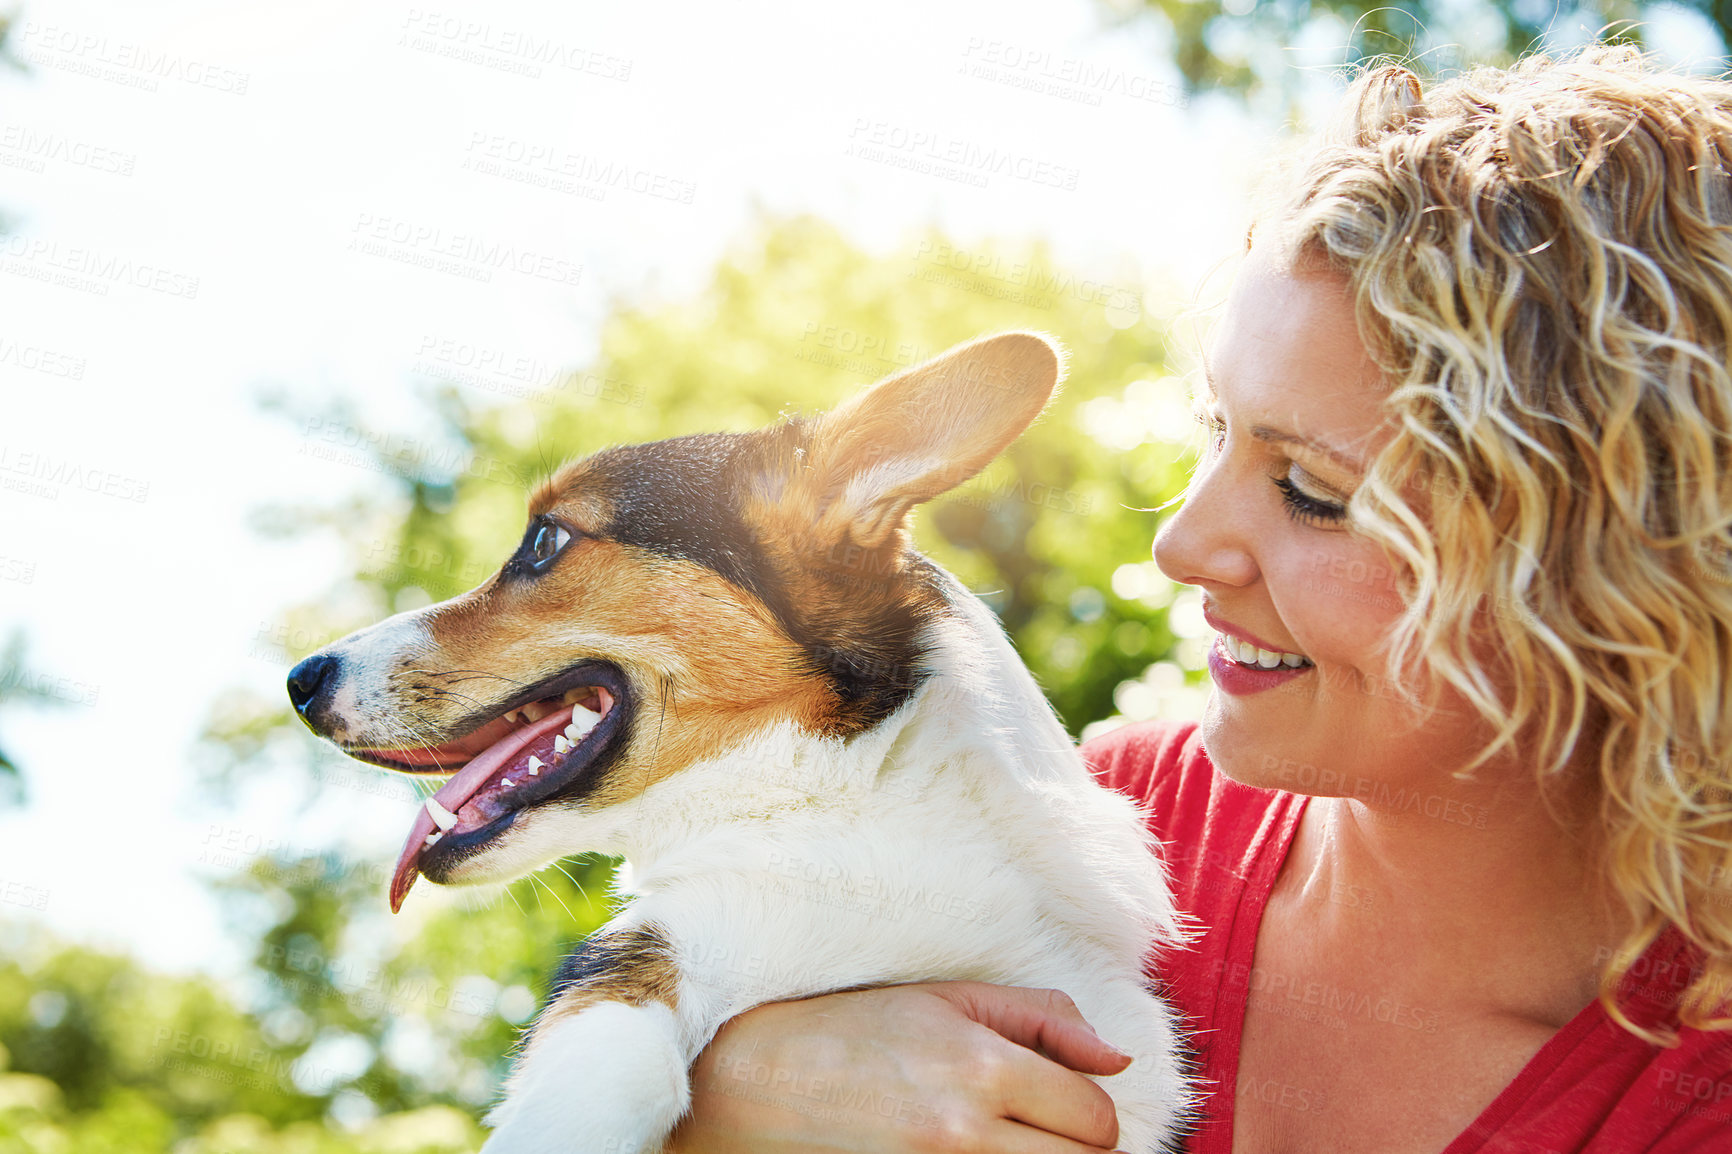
[(1541, 262)]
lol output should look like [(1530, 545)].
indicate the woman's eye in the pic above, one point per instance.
[(1305, 508), (1216, 427), (549, 540)]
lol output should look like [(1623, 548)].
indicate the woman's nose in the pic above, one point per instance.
[(1207, 542)]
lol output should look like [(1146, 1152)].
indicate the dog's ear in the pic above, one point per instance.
[(913, 436)]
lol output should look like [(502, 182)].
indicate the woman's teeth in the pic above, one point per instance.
[(1247, 654)]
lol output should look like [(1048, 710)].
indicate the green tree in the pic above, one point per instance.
[(19, 685), (1246, 46), (108, 1058)]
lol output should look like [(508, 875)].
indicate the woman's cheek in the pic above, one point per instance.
[(1341, 600)]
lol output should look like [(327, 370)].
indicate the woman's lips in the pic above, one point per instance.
[(1242, 680)]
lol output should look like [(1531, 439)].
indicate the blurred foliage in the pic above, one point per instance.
[(20, 685), (357, 1033), (1249, 46), (107, 1058), (16, 681), (8, 25), (400, 1024), (342, 1045)]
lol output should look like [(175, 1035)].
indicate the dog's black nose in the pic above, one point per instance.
[(306, 679)]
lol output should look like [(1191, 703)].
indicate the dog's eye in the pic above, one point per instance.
[(549, 540)]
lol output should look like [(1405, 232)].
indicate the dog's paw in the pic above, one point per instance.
[(608, 1080)]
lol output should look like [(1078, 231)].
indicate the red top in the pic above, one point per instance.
[(1594, 1088)]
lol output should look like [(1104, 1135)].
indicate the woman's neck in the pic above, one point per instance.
[(1478, 890)]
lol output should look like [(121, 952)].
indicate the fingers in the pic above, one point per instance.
[(1015, 1138), (1030, 1084), (1045, 1021), (1049, 1097)]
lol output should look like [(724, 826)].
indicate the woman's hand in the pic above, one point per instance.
[(951, 1066)]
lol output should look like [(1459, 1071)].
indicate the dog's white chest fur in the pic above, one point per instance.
[(960, 839)]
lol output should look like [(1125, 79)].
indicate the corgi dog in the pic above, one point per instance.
[(720, 658)]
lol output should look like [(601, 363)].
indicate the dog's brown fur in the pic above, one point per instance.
[(703, 632), (634, 966)]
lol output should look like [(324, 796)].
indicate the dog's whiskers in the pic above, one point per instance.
[(453, 695), (555, 894), (575, 884), (459, 674)]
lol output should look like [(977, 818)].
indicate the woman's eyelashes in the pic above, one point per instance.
[(1303, 507), (1216, 426)]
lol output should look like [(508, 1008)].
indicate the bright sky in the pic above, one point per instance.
[(206, 201)]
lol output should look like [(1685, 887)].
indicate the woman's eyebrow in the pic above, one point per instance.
[(1270, 435), (1276, 436)]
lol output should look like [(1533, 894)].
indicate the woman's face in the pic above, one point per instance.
[(1295, 413)]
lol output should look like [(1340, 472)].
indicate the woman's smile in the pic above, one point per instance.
[(1242, 664)]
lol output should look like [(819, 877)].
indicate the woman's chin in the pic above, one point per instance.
[(1244, 751)]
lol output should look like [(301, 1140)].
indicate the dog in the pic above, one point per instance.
[(720, 658)]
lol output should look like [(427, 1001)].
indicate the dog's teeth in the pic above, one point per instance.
[(535, 711), (573, 696), (582, 721), (442, 817), (434, 836), (507, 783), (560, 745), (511, 715)]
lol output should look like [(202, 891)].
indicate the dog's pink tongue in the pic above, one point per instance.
[(455, 794)]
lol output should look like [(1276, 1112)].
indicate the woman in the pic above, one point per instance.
[(1457, 824)]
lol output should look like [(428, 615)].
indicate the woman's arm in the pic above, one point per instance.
[(951, 1066)]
